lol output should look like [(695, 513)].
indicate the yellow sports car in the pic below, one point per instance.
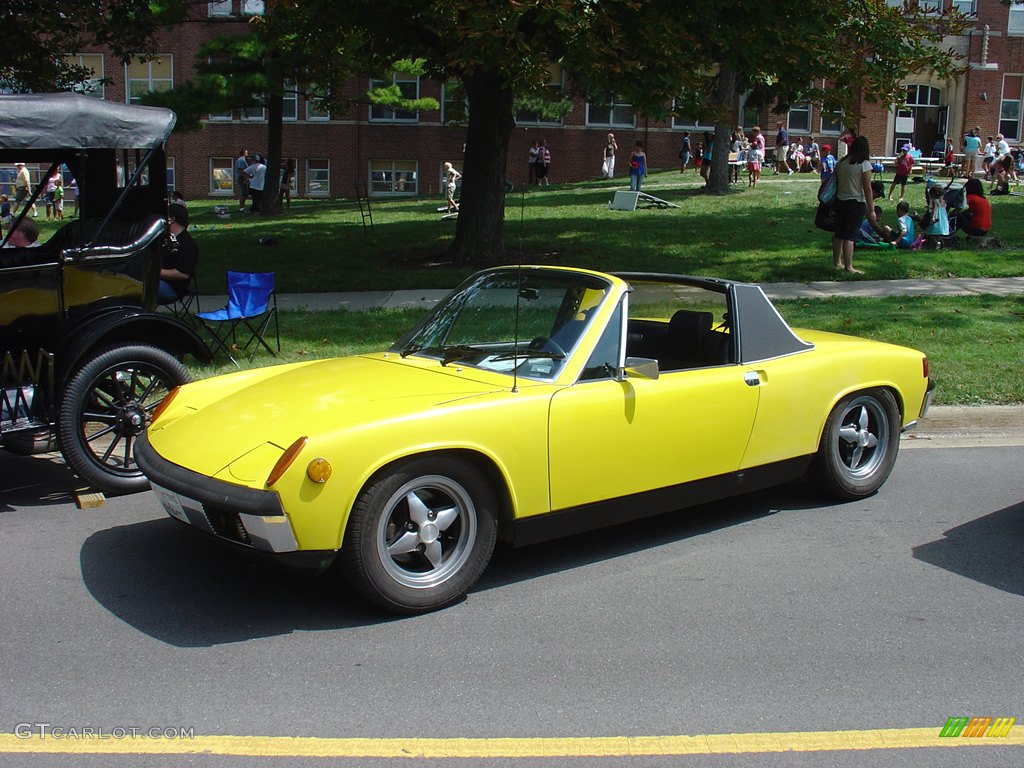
[(531, 403)]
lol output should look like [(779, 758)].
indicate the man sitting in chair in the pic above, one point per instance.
[(179, 256)]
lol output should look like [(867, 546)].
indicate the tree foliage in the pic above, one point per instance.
[(38, 34)]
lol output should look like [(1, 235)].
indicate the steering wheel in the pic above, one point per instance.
[(546, 344)]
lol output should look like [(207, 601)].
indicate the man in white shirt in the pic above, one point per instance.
[(257, 173)]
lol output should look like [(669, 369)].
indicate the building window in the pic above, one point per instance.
[(1009, 109), (222, 176), (222, 8), (94, 62), (254, 113), (144, 76), (689, 123), (290, 103), (393, 177), (252, 7), (923, 96), (315, 113), (318, 178), (614, 115), (553, 90), (410, 89), (220, 117), (966, 7), (1016, 22), (832, 122), (799, 119), (171, 178), (453, 108)]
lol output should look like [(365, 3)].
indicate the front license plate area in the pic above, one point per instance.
[(182, 508)]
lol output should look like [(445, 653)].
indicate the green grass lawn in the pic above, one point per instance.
[(975, 344), (757, 235)]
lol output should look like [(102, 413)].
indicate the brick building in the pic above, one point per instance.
[(397, 153)]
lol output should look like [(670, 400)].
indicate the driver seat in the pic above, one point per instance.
[(683, 343)]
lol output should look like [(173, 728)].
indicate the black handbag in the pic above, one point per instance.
[(825, 218)]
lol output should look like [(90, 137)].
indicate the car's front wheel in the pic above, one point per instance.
[(107, 404), (420, 535), (859, 445)]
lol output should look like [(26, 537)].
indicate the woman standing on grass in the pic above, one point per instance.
[(853, 202), (637, 167)]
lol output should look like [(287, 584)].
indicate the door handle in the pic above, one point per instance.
[(752, 378)]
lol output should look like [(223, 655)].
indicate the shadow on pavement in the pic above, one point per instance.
[(183, 589), (35, 481), (189, 591), (987, 550)]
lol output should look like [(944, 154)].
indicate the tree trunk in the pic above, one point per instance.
[(725, 102), (271, 205), (479, 231)]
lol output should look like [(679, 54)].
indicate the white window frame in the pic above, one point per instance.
[(219, 9), (445, 101), (611, 122), (382, 114), (1015, 19), (556, 89), (966, 7), (390, 168), (687, 123), (318, 166), (94, 86), (150, 81), (800, 109), (220, 190), (290, 97), (315, 115), (1003, 102)]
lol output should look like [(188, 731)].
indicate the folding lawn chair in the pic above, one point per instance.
[(252, 305), (188, 305)]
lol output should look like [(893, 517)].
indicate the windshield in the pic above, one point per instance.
[(478, 325)]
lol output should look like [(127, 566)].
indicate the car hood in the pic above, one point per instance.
[(250, 418)]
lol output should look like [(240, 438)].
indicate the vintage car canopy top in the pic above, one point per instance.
[(71, 121)]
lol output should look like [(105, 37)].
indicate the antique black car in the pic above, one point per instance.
[(86, 356)]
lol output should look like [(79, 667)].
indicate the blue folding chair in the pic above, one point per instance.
[(252, 305)]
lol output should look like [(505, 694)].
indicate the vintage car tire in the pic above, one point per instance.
[(858, 445), (125, 413), (386, 553)]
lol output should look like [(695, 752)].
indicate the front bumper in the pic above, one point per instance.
[(246, 516)]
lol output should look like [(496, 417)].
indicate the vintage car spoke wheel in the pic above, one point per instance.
[(108, 403), (859, 445), (420, 535)]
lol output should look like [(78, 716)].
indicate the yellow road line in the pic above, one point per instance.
[(611, 746)]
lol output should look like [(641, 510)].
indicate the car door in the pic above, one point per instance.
[(609, 439)]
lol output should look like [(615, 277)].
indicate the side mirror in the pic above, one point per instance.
[(639, 368)]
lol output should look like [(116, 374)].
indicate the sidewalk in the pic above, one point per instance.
[(426, 298)]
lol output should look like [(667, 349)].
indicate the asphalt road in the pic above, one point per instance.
[(765, 614)]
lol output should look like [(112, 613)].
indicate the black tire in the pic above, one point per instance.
[(858, 446), (107, 404), (398, 556)]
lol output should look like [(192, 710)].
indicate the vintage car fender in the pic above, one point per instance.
[(125, 325)]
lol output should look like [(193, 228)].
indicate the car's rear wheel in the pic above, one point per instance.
[(107, 404), (859, 445), (420, 535)]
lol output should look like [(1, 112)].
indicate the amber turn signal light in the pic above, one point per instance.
[(162, 405), (319, 470), (289, 456)]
